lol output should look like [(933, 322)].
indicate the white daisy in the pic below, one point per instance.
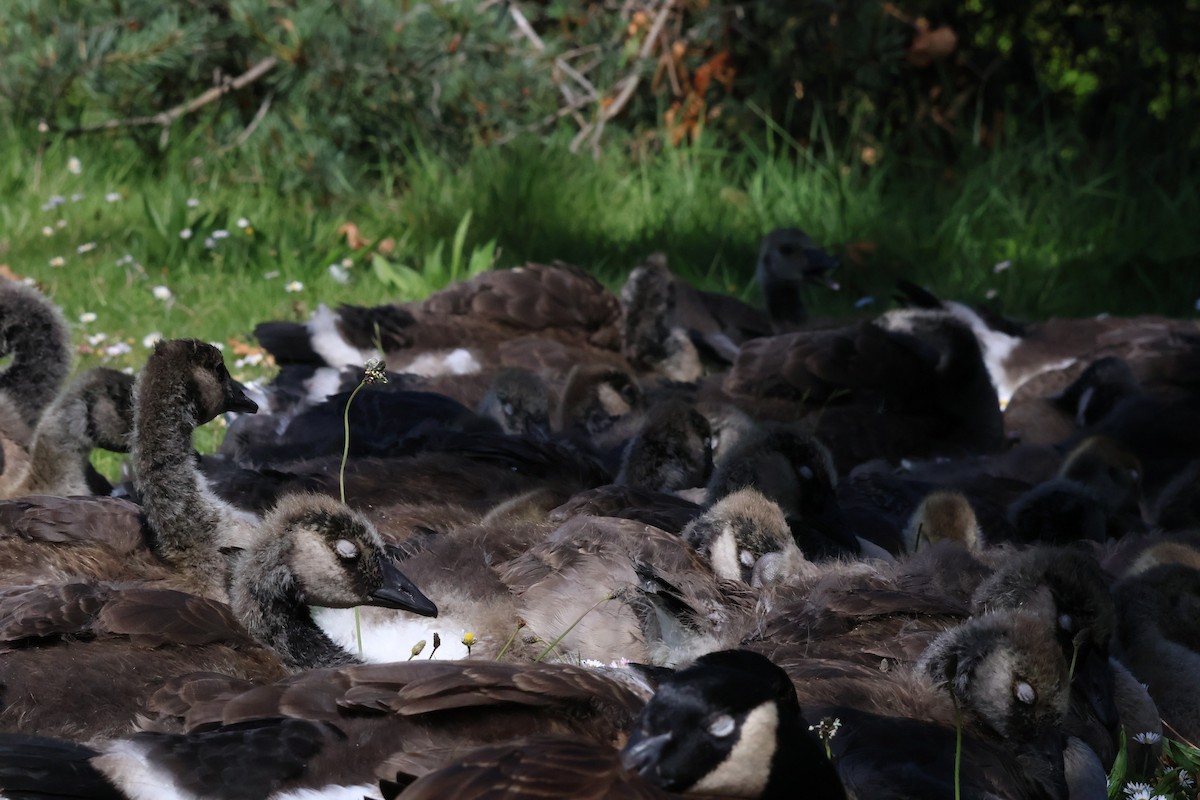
[(151, 339), (294, 286), (185, 234), (57, 261), (86, 247), (161, 293), (87, 317), (74, 165)]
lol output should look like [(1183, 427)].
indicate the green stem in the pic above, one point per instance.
[(346, 440), (1074, 655), (957, 748), (342, 488), (511, 639), (563, 635)]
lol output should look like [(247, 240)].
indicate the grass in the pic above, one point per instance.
[(1039, 228)]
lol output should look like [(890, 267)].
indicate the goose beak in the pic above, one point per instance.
[(642, 755), (399, 592), (820, 264), (1094, 678), (236, 399)]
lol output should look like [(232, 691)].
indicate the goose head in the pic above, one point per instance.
[(192, 373), (943, 516), (1067, 589), (1097, 391), (335, 557), (787, 259), (729, 424), (600, 402), (729, 725), (649, 340), (1111, 471), (107, 395), (794, 470), (745, 537), (673, 450), (1007, 669), (520, 401)]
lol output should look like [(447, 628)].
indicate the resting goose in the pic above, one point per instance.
[(910, 384), (35, 338), (728, 725), (313, 552), (94, 411)]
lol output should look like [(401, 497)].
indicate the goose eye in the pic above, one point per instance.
[(747, 558), (713, 441), (507, 408), (1025, 693), (722, 726), (346, 548), (1066, 623)]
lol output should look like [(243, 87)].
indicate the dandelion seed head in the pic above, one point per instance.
[(43, 126), (74, 165), (47, 230), (161, 292), (242, 222), (374, 372), (185, 234)]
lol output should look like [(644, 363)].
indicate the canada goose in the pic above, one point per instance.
[(787, 259), (1059, 511), (943, 516), (647, 595), (601, 406), (673, 450), (1158, 641), (466, 321), (36, 342), (909, 384), (332, 729), (796, 471), (313, 551), (1005, 679), (1159, 350), (1067, 588), (737, 532), (94, 411), (520, 401), (650, 340), (1177, 506)]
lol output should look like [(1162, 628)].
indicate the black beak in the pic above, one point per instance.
[(236, 399), (399, 592), (538, 428), (642, 755), (820, 264)]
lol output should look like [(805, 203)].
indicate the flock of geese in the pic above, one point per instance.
[(596, 545)]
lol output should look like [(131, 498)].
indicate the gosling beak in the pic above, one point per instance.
[(820, 265), (642, 755), (236, 399), (399, 592)]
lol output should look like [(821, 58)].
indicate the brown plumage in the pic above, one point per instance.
[(909, 384)]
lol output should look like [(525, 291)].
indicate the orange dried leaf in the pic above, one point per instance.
[(354, 239)]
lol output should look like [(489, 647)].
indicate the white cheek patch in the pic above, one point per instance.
[(324, 382), (328, 343), (723, 556), (747, 768)]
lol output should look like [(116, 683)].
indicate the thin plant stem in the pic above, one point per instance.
[(1074, 656), (510, 641), (563, 635), (957, 748), (342, 489)]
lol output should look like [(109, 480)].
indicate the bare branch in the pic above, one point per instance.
[(165, 118)]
